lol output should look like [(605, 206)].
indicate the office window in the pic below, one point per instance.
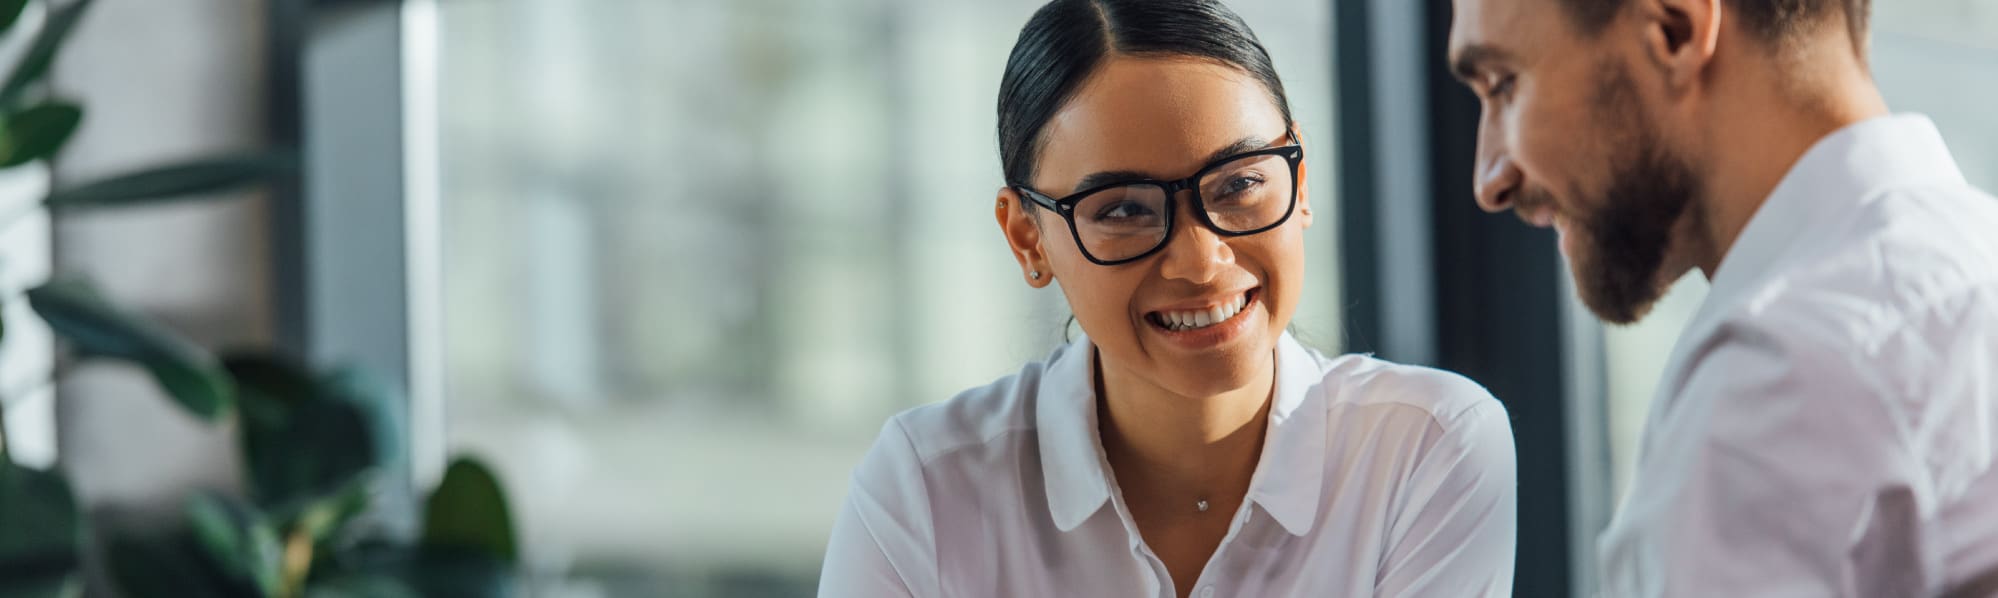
[(1936, 57), (695, 252)]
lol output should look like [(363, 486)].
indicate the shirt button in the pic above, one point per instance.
[(1207, 592)]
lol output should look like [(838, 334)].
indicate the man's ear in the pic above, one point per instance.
[(1681, 37), (1023, 235)]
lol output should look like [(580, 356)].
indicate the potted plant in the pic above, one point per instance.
[(307, 438)]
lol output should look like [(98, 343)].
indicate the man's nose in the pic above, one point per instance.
[(1496, 181)]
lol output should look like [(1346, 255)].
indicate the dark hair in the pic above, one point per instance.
[(1776, 22), (1066, 40)]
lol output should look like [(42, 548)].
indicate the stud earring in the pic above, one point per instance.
[(1036, 275)]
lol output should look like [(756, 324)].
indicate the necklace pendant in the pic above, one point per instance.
[(1202, 505)]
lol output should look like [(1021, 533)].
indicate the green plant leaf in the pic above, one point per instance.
[(323, 452), (361, 586), (323, 519), (382, 403), (321, 449), (238, 541), (202, 178), (96, 329), (40, 549), (39, 132), (269, 387), (10, 13), (468, 512), (303, 444), (442, 572), (67, 586), (430, 572), (35, 63), (168, 565)]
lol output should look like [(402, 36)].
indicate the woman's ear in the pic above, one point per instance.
[(1023, 235), (1303, 181)]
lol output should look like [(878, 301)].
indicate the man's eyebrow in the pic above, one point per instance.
[(1474, 59), (1097, 179)]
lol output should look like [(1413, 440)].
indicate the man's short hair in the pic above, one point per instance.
[(1778, 23)]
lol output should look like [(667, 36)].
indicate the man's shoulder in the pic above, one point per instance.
[(1905, 257), (1890, 309)]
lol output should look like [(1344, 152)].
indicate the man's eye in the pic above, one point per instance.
[(1503, 87)]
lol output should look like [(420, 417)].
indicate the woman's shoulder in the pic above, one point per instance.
[(980, 415), (1438, 422), (1362, 381)]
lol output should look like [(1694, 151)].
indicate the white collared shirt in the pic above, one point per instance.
[(1375, 480), (1825, 426)]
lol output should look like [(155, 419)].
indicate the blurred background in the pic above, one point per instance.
[(667, 265)]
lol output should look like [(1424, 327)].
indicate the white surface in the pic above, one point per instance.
[(27, 353)]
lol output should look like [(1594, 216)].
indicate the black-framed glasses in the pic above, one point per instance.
[(1126, 221)]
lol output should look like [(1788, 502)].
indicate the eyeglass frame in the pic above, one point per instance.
[(1293, 153)]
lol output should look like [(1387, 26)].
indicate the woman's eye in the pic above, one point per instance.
[(1243, 183), (1122, 211), (1237, 185)]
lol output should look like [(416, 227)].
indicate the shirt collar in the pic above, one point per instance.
[(1838, 174), (1065, 419), (1288, 482)]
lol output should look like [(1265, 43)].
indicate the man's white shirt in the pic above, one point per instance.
[(1827, 424)]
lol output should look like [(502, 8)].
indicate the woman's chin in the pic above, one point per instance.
[(1215, 373)]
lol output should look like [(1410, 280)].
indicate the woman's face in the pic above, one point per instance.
[(1165, 119)]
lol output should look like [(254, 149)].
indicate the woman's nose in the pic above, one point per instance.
[(1195, 253)]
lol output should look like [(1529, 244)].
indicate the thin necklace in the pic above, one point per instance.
[(1201, 504)]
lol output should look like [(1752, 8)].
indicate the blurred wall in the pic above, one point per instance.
[(161, 81)]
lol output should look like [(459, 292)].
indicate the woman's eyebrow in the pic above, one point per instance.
[(1246, 144), (1098, 179)]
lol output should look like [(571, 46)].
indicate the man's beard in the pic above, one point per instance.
[(1627, 229)]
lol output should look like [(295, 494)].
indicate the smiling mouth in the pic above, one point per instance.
[(1195, 319)]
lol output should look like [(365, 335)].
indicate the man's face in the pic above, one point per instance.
[(1568, 139)]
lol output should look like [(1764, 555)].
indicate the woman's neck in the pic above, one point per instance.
[(1159, 442)]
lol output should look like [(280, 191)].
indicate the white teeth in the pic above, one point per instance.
[(1188, 320)]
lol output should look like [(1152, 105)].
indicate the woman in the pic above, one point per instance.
[(1185, 445)]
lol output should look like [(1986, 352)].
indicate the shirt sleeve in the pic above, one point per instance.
[(883, 543), (1799, 483), (1455, 533)]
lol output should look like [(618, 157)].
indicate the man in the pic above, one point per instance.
[(1828, 423)]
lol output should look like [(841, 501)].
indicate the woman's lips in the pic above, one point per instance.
[(1174, 325), (1200, 316)]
